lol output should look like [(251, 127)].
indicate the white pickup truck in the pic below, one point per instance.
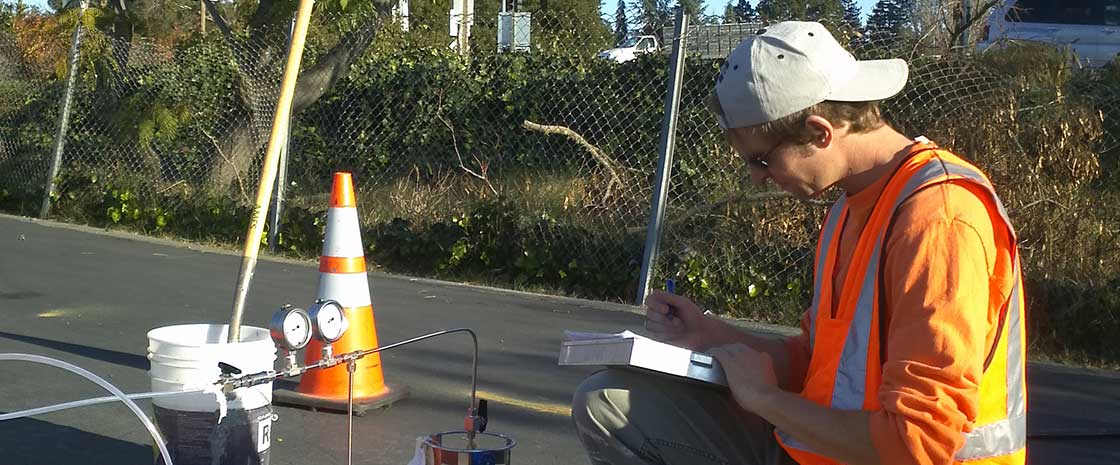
[(630, 48), (707, 41)]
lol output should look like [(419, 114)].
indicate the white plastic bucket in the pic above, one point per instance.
[(186, 356)]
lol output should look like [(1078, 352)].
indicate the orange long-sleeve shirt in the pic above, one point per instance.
[(942, 310)]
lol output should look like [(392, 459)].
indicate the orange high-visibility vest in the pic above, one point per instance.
[(845, 369)]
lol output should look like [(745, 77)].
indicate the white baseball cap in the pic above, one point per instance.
[(793, 65)]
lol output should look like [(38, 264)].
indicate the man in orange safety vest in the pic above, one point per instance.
[(912, 351)]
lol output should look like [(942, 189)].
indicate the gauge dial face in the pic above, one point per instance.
[(297, 329), (291, 328), (330, 321)]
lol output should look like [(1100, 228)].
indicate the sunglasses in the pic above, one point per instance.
[(763, 161)]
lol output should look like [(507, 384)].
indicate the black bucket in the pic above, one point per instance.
[(196, 438)]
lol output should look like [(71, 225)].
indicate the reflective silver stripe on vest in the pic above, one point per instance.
[(969, 173), (828, 232), (1016, 398), (793, 442), (851, 377), (850, 388), (994, 439)]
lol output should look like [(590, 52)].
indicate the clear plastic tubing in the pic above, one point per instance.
[(104, 384), (94, 401)]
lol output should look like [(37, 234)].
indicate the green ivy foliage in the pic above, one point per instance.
[(495, 242), (389, 119)]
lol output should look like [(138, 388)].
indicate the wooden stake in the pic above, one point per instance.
[(268, 170)]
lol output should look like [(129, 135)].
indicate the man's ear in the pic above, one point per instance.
[(822, 131)]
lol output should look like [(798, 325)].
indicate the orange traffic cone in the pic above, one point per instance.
[(342, 278)]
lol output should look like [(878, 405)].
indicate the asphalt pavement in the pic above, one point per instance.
[(89, 297)]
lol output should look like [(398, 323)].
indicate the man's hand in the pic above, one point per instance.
[(750, 374), (676, 320), (842, 435)]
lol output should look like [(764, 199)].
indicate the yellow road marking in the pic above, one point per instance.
[(52, 314), (539, 407)]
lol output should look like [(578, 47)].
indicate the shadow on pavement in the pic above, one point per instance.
[(1073, 415), (139, 362), (28, 441)]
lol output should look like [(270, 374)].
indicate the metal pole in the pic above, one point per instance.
[(966, 10), (668, 140), (464, 28), (282, 174), (278, 197), (351, 366), (402, 6), (64, 113)]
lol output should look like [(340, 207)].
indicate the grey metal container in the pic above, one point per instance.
[(452, 448)]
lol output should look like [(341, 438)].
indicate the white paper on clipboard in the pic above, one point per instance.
[(631, 350)]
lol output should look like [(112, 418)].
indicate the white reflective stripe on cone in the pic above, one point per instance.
[(344, 234), (349, 289)]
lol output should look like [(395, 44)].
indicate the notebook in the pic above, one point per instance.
[(634, 351)]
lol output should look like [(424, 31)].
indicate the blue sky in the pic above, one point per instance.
[(43, 3), (714, 7)]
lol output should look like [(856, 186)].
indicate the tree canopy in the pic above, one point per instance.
[(825, 11), (740, 11), (852, 14), (621, 24), (889, 19)]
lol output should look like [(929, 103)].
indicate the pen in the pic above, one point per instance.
[(671, 287)]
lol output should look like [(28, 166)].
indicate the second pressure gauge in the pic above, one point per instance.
[(290, 328), (328, 320)]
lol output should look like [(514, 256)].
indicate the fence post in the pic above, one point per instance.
[(664, 168), (465, 16), (282, 174), (64, 113), (966, 17)]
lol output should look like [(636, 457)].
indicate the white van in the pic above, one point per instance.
[(1089, 28)]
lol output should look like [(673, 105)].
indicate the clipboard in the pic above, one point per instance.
[(634, 351)]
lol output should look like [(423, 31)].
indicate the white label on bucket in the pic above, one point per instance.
[(264, 430)]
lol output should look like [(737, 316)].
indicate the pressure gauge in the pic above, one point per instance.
[(290, 328), (328, 319)]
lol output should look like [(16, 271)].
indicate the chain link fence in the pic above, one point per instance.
[(530, 162), (23, 127), (1041, 127), (151, 117), (531, 166)]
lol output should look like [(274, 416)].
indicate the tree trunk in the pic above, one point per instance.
[(250, 134), (236, 151)]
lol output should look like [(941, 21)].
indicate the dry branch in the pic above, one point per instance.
[(455, 145), (606, 162)]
